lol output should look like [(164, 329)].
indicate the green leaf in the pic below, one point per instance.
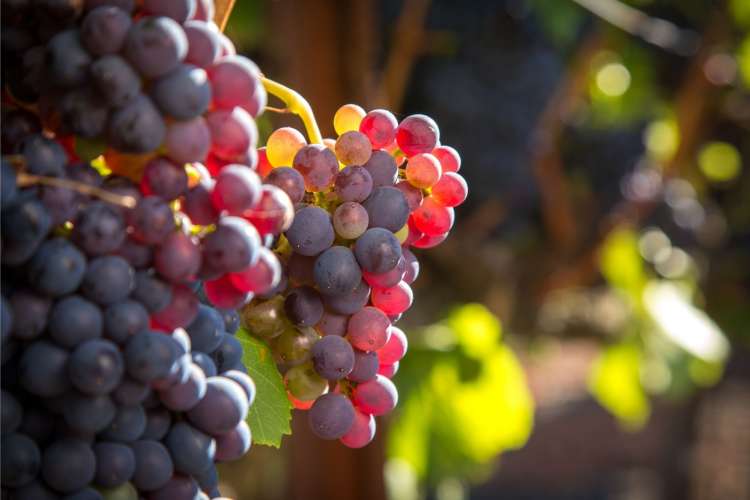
[(615, 382), (621, 263), (476, 329), (269, 416)]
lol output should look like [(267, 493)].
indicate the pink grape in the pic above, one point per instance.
[(317, 165), (388, 278), (388, 370), (423, 170), (204, 44), (379, 125), (395, 348), (394, 300), (432, 218), (368, 329), (412, 266), (261, 277), (164, 179), (451, 190), (188, 141), (273, 214), (350, 220), (289, 180), (362, 431), (204, 10), (237, 190), (178, 259), (227, 47), (233, 132), (332, 324), (264, 168), (353, 148), (428, 241), (375, 397), (413, 195), (223, 295), (448, 157), (235, 81), (417, 134), (180, 311)]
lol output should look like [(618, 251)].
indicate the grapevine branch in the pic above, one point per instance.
[(298, 105), (25, 179)]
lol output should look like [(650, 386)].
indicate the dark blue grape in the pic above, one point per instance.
[(38, 424), (234, 444), (104, 29), (178, 486), (192, 450), (74, 320), (336, 271), (150, 355), (8, 186), (387, 208), (95, 367), (184, 396), (17, 125), (366, 366), (311, 232), (231, 320), (245, 382), (66, 60), (21, 460), (127, 426), (88, 414), (164, 179), (123, 320), (221, 409), (57, 268), (42, 369), (153, 465), (136, 127), (99, 229), (83, 113), (83, 172), (158, 422), (12, 413), (331, 416), (130, 392), (151, 291), (205, 363), (183, 93), (115, 80), (208, 479), (152, 220), (24, 226), (228, 354), (136, 253), (108, 280), (232, 247), (68, 465), (126, 5), (155, 46), (87, 493), (353, 183), (62, 203), (382, 168), (303, 306), (377, 250), (115, 464), (36, 490), (29, 312), (349, 303), (332, 357)]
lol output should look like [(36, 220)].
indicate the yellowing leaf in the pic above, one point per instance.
[(477, 329), (615, 383), (621, 263)]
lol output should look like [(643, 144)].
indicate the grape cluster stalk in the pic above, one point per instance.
[(134, 225), (362, 202)]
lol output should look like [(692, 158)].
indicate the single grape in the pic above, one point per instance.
[(237, 189), (350, 303), (332, 357), (377, 250), (66, 61), (318, 166), (222, 294), (104, 29), (206, 331), (178, 259), (115, 464), (164, 179), (366, 366), (137, 126), (24, 227), (83, 113), (348, 117), (353, 183), (394, 300), (236, 81), (331, 416), (362, 431), (99, 229), (96, 367), (423, 170), (63, 204), (332, 324), (17, 125), (303, 306), (74, 320), (234, 444), (311, 231), (223, 407), (151, 291), (336, 271), (115, 80), (29, 314), (387, 208), (108, 280), (413, 195), (451, 190), (382, 168), (379, 125), (368, 329), (21, 460), (449, 159), (192, 451), (244, 380), (304, 383), (43, 156), (130, 392), (261, 277), (153, 465), (395, 348), (179, 312), (288, 180), (178, 486), (155, 46), (265, 319), (417, 134), (150, 355), (68, 465), (432, 218), (375, 397), (152, 220), (232, 247), (188, 141), (388, 278), (127, 426), (183, 93), (292, 347), (233, 132), (274, 212), (229, 353), (198, 207), (353, 148), (282, 146), (88, 414), (204, 44)]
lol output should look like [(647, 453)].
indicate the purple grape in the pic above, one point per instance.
[(207, 329), (336, 271), (115, 80), (353, 183), (130, 392), (74, 320), (104, 29), (349, 303), (29, 312), (332, 357), (234, 444), (377, 250), (184, 93), (88, 414), (99, 229), (68, 465), (244, 380), (198, 206), (66, 61), (158, 422), (311, 232), (115, 464), (150, 355), (366, 366), (192, 451), (153, 465), (152, 220), (24, 227), (188, 141), (288, 180), (303, 306), (57, 268), (83, 113), (164, 179), (387, 207), (204, 44), (382, 168), (232, 247), (184, 396), (108, 280), (229, 353), (43, 156), (178, 259), (156, 46), (96, 367), (21, 460), (137, 127), (152, 292), (223, 407), (331, 416)]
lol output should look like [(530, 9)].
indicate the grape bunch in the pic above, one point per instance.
[(362, 201)]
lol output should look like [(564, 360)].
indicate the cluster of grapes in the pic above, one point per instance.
[(361, 202)]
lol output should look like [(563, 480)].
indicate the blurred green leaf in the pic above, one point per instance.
[(743, 60), (740, 11), (271, 412), (476, 329), (616, 385), (621, 263)]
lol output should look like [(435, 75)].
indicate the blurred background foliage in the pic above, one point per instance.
[(606, 147)]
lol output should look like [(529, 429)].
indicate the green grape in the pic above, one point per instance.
[(304, 383), (126, 491), (265, 319), (292, 347)]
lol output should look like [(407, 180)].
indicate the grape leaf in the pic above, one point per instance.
[(271, 412)]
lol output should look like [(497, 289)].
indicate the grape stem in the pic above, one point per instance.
[(24, 179), (296, 104)]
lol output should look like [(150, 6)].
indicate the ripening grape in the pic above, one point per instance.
[(183, 93), (423, 170), (350, 220), (361, 432), (393, 300), (375, 397), (387, 208), (303, 306), (332, 357), (115, 80), (237, 189), (395, 348), (365, 366), (233, 444), (155, 46), (317, 165), (412, 266), (188, 141), (368, 329), (353, 183), (388, 278), (304, 383), (260, 277), (223, 407), (347, 118), (332, 324), (311, 231), (178, 259), (204, 45), (233, 132), (266, 319), (164, 179), (449, 159), (179, 10), (349, 303), (293, 346), (432, 218), (379, 125), (223, 294), (331, 416), (288, 180), (417, 134), (235, 81), (451, 190), (353, 148), (413, 195), (282, 146), (336, 271), (382, 168), (429, 241), (273, 214), (232, 247)]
